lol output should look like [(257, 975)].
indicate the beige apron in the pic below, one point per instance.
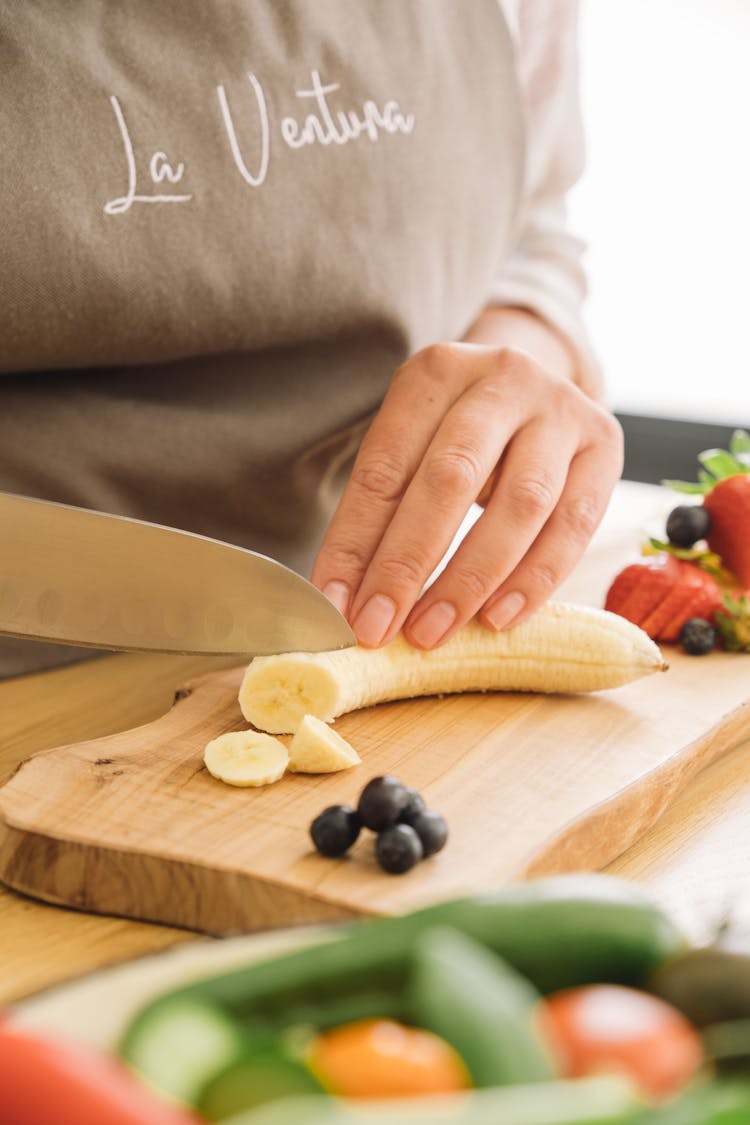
[(224, 224)]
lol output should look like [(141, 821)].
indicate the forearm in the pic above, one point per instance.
[(500, 326)]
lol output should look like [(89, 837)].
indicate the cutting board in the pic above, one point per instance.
[(132, 824)]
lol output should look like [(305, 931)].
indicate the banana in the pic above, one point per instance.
[(246, 758), (561, 648), (316, 748)]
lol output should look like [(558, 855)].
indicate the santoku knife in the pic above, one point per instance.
[(81, 577)]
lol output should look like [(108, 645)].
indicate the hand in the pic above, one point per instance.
[(461, 423)]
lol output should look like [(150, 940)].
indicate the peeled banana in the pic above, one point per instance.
[(246, 758), (316, 748), (561, 648)]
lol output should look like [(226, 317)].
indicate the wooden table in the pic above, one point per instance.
[(696, 858)]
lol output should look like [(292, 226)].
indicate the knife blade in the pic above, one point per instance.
[(81, 577)]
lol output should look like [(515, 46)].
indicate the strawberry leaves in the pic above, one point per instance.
[(701, 556), (733, 622), (739, 447), (718, 464)]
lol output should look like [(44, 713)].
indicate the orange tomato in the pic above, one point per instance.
[(606, 1028), (379, 1058)]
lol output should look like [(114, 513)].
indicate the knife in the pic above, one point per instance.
[(87, 578)]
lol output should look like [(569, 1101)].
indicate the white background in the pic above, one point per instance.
[(665, 203)]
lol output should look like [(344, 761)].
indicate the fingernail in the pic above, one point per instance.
[(434, 623), (338, 594), (374, 619), (503, 611)]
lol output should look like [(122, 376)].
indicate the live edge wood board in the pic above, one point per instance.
[(132, 824)]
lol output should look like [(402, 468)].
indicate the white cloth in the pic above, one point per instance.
[(544, 272)]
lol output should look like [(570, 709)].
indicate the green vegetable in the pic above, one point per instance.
[(587, 1101), (559, 932), (348, 1008), (568, 930), (480, 1005), (261, 1076), (178, 1043), (714, 1103)]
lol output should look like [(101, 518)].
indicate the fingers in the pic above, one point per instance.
[(387, 460), (565, 536), (419, 528), (530, 484), (455, 465), (420, 395), (556, 512), (455, 418)]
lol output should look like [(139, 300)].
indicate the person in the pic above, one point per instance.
[(298, 276)]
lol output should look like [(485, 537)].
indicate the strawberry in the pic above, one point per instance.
[(661, 593), (725, 484), (640, 587), (702, 598), (728, 504)]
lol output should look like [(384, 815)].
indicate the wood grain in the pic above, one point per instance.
[(132, 824)]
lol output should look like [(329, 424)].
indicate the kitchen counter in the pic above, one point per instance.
[(694, 859)]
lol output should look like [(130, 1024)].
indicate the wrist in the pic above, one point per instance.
[(510, 326)]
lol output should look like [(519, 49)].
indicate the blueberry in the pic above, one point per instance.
[(432, 831), (697, 636), (398, 849), (335, 829), (687, 523), (382, 801), (414, 807)]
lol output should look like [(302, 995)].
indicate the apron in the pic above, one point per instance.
[(223, 226)]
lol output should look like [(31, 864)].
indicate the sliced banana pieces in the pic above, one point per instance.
[(246, 758), (561, 648), (316, 748)]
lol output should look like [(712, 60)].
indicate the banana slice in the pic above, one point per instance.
[(316, 748), (247, 758)]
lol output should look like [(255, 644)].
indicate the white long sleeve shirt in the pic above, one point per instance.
[(544, 272)]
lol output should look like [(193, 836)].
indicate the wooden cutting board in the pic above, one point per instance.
[(132, 824)]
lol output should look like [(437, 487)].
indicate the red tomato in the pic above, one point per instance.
[(605, 1028), (49, 1082)]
